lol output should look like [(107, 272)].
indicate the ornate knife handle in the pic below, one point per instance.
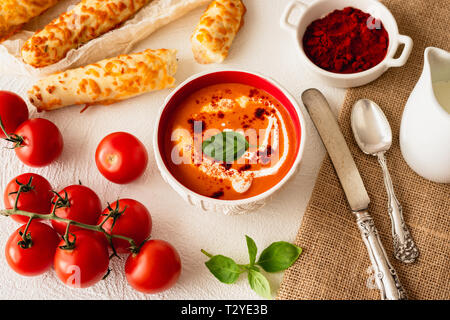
[(405, 249), (385, 275)]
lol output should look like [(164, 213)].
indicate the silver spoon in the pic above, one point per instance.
[(374, 136)]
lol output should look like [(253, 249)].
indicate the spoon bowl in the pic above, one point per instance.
[(370, 127), (373, 135)]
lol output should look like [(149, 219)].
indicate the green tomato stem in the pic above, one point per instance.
[(206, 253), (23, 188), (4, 130), (26, 241), (27, 226), (17, 198), (16, 139)]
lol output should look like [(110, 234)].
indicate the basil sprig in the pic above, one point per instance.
[(277, 257), (226, 146)]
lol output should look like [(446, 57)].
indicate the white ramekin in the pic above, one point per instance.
[(227, 207), (320, 8)]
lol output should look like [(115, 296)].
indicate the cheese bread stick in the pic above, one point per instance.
[(216, 30), (86, 21), (106, 81), (14, 13)]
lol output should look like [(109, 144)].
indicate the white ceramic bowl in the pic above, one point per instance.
[(320, 8), (201, 80)]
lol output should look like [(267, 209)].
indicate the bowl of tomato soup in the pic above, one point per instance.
[(227, 140)]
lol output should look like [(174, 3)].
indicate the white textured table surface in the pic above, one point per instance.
[(260, 46)]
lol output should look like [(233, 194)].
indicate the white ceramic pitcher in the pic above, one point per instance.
[(425, 126)]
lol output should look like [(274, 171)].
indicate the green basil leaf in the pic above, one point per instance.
[(252, 249), (226, 146), (279, 256), (259, 283), (223, 268)]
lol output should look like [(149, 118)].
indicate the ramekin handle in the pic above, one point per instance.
[(400, 61), (287, 13)]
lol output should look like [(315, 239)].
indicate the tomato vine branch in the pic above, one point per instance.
[(64, 202), (10, 212)]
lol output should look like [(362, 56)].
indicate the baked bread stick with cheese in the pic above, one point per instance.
[(14, 13), (106, 81), (86, 21), (216, 30)]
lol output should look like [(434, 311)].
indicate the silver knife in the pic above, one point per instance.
[(385, 275)]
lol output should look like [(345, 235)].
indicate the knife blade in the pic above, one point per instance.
[(385, 275), (337, 148)]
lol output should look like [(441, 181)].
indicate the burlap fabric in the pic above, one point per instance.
[(334, 264)]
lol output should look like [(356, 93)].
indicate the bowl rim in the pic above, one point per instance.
[(350, 76), (165, 171)]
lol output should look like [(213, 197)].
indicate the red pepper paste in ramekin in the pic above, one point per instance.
[(346, 41)]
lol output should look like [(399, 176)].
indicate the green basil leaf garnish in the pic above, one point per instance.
[(252, 249), (279, 256), (223, 268), (226, 146), (259, 283)]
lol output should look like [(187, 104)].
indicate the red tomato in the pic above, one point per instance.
[(36, 259), (42, 142), (121, 157), (13, 111), (135, 222), (37, 200), (96, 234), (85, 264), (155, 268), (84, 206)]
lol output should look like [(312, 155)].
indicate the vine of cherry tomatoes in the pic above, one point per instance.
[(80, 253)]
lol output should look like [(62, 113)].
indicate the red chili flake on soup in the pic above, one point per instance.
[(245, 167), (226, 166), (346, 41), (260, 112), (217, 194)]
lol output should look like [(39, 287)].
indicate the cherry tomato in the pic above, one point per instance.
[(121, 157), (155, 268), (84, 206), (42, 142), (13, 111), (85, 264), (38, 199), (135, 222), (37, 258), (96, 234)]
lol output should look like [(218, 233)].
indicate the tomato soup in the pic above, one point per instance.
[(229, 141)]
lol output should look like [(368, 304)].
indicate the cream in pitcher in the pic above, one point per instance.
[(425, 127), (442, 93)]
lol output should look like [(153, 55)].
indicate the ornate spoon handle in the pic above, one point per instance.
[(405, 249), (385, 275)]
